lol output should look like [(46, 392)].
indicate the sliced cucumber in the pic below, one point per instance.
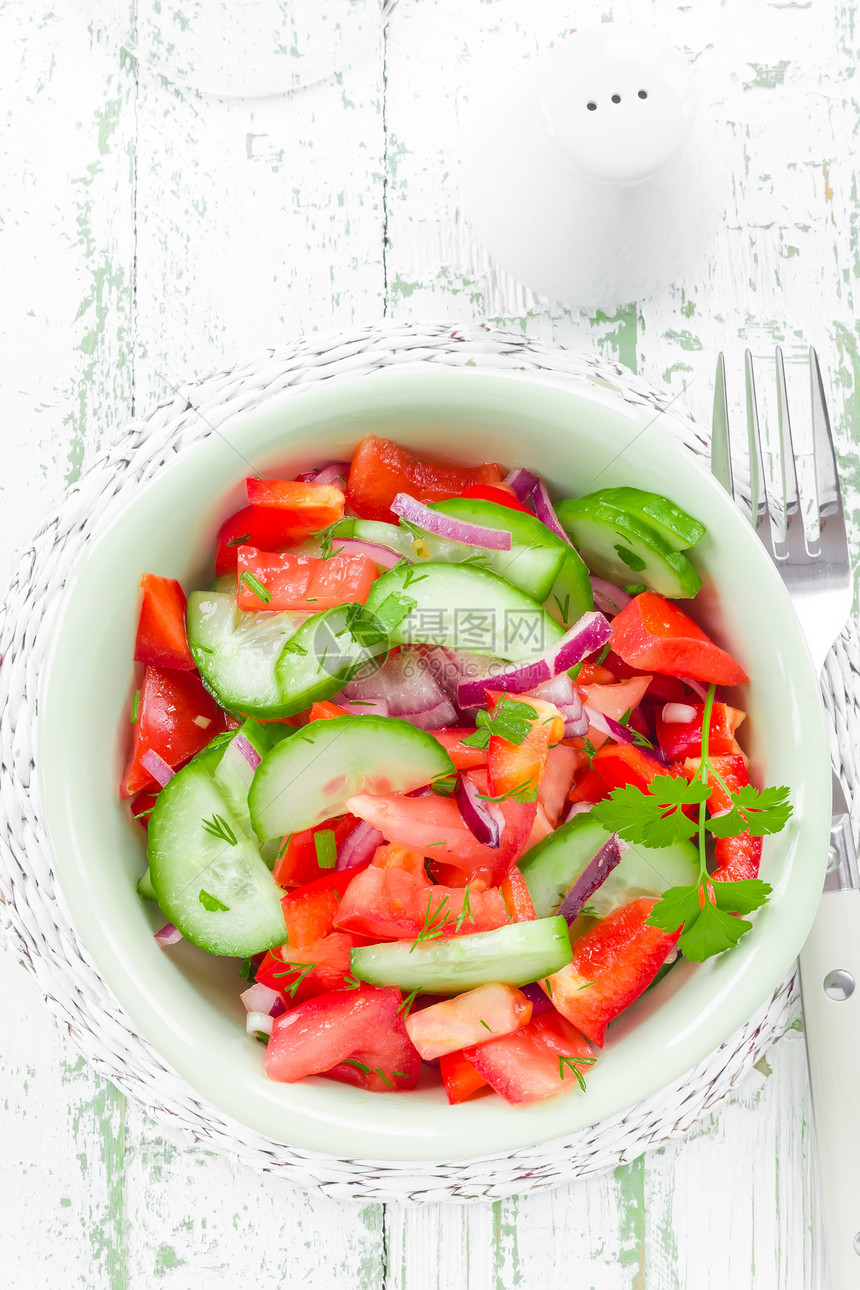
[(619, 547), (236, 652), (234, 773), (326, 653), (308, 778), (467, 609), (536, 554), (390, 535), (145, 889), (673, 525), (570, 596), (515, 955), (218, 892), (553, 866)]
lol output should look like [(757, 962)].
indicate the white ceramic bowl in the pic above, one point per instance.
[(579, 437)]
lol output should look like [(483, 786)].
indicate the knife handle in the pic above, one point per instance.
[(830, 982)]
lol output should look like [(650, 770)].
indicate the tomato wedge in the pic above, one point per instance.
[(381, 469), (323, 1034), (612, 965), (431, 825), (301, 581), (176, 718), (653, 633), (469, 1018), (536, 1062), (161, 639)]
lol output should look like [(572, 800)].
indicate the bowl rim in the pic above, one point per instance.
[(738, 999)]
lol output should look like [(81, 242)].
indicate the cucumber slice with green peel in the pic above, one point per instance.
[(390, 535), (207, 874), (309, 777), (673, 525), (536, 553), (236, 652), (619, 547), (514, 955), (552, 867), (463, 608), (145, 889), (234, 773), (570, 596), (327, 652)]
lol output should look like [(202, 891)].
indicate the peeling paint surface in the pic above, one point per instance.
[(148, 228)]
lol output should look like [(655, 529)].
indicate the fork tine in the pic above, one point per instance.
[(759, 516), (829, 494), (791, 525), (721, 452)]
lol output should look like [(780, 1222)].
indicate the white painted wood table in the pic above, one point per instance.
[(148, 228)]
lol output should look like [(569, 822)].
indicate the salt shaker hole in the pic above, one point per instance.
[(592, 107), (643, 94), (616, 98)]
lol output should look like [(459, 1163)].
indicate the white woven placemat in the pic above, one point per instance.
[(34, 912)]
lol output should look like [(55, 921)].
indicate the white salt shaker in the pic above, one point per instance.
[(589, 175)]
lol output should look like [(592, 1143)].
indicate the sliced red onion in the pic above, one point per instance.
[(560, 690), (358, 846), (260, 998), (168, 935), (407, 684), (365, 707), (522, 481), (307, 476), (595, 872), (578, 808), (590, 633), (576, 721), (337, 474), (157, 767), (695, 686), (243, 745), (538, 998), (445, 526), (545, 511), (621, 734), (379, 554), (678, 714), (608, 597), (483, 819), (259, 1022)]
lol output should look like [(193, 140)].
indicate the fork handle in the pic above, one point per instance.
[(829, 964)]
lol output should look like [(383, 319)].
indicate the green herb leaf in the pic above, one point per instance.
[(563, 607), (630, 558), (351, 982), (753, 811), (135, 707), (445, 785), (575, 1064), (326, 848), (484, 1024), (712, 932), (239, 541), (303, 969), (219, 828), (465, 912), (406, 1004), (247, 971), (653, 819), (635, 588), (212, 903), (254, 585), (480, 738), (436, 922), (742, 896)]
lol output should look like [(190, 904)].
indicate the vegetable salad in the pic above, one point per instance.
[(448, 768)]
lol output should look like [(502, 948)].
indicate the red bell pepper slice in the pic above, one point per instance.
[(502, 496), (589, 787), (612, 965), (323, 1034), (269, 528), (654, 634), (301, 581), (515, 893), (161, 639), (534, 1063), (520, 767), (298, 864), (460, 1078), (740, 857), (315, 506), (176, 718), (668, 688), (680, 739), (381, 469), (463, 757), (620, 764)]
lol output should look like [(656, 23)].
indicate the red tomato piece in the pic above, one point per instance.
[(302, 971), (622, 764), (381, 469), (301, 581), (161, 636), (297, 864), (141, 806), (534, 1063), (667, 688), (176, 718), (653, 633), (617, 699), (562, 765), (502, 496), (269, 528), (680, 739), (394, 901), (463, 757), (430, 825), (589, 787), (612, 965), (594, 674), (460, 1078), (470, 1018), (322, 1034), (315, 506)]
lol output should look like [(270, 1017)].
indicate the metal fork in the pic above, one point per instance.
[(809, 547)]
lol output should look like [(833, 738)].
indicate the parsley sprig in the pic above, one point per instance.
[(511, 720), (708, 912)]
